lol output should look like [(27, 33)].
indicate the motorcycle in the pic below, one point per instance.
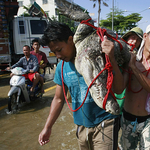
[(20, 89)]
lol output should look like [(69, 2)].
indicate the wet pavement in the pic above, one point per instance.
[(20, 130)]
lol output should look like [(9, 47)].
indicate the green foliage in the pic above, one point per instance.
[(54, 18), (121, 23), (26, 8), (25, 13), (68, 21)]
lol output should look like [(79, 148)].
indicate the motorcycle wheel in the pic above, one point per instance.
[(12, 102)]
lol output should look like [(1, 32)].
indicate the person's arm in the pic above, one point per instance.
[(55, 109), (35, 65), (44, 58), (18, 64), (143, 80), (118, 80)]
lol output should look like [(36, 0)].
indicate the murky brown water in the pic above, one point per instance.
[(19, 131)]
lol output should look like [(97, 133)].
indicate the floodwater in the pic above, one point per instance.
[(20, 130)]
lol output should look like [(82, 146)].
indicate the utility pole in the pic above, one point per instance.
[(112, 15), (99, 11)]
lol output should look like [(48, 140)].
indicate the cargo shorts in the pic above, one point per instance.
[(101, 137), (135, 134)]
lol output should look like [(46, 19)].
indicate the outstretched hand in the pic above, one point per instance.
[(44, 136)]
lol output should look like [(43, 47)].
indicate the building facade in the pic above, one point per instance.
[(49, 6)]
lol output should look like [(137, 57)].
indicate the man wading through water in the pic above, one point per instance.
[(135, 121), (95, 128)]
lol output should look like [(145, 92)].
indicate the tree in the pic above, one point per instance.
[(99, 6), (68, 21), (121, 23), (25, 13)]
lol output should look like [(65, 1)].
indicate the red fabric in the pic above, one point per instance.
[(40, 56), (30, 76)]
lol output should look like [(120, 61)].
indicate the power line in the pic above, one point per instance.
[(144, 9)]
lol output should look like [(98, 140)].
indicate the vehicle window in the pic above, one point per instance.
[(38, 26), (21, 27)]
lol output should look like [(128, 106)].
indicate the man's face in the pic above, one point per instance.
[(62, 50), (134, 39), (26, 51), (36, 46)]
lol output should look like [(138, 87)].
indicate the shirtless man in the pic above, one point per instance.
[(135, 121), (132, 37)]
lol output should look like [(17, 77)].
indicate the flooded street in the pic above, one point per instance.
[(20, 130)]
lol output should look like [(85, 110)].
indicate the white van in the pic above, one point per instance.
[(25, 29)]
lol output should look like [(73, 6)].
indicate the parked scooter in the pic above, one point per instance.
[(20, 89)]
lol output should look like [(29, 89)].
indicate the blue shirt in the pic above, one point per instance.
[(90, 114), (31, 64)]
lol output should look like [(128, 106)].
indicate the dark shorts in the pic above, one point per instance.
[(131, 117)]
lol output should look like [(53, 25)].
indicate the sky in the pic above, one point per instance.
[(129, 6)]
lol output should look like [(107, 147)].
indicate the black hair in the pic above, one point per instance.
[(27, 46), (56, 31), (36, 40)]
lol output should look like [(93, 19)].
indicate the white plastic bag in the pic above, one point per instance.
[(147, 105), (18, 71)]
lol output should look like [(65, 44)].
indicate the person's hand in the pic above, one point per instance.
[(108, 47), (8, 68), (31, 71), (41, 66), (132, 60), (44, 136)]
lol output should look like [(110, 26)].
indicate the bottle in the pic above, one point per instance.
[(41, 71)]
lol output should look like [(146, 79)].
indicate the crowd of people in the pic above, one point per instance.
[(95, 128)]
